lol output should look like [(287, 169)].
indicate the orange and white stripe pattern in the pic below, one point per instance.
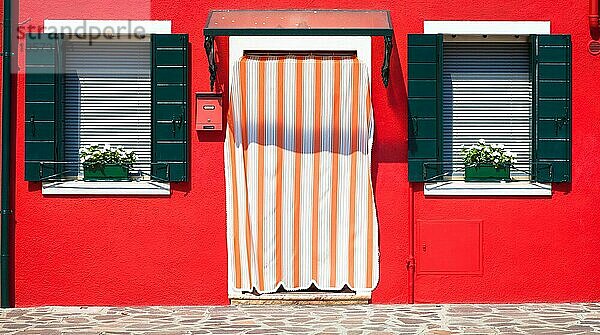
[(300, 206)]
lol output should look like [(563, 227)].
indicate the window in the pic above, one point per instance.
[(107, 98), (512, 89), (119, 92), (487, 93)]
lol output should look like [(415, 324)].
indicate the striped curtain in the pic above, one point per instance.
[(300, 207)]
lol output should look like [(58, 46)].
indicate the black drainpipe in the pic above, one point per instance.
[(7, 211)]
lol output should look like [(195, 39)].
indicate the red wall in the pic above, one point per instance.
[(172, 251)]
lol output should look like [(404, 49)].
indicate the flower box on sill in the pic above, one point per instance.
[(487, 162), (106, 163), (108, 172), (487, 172)]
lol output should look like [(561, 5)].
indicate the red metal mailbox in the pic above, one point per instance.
[(209, 111)]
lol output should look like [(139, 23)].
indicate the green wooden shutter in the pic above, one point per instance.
[(424, 107), (551, 60), (170, 107), (44, 128)]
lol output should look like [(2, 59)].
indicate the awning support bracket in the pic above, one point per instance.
[(209, 46), (385, 68)]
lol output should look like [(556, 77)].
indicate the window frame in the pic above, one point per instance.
[(131, 187), (78, 176), (460, 187), (531, 127)]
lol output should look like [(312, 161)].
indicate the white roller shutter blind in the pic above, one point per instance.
[(108, 97), (487, 94)]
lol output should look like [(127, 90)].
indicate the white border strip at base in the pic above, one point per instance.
[(313, 296), (486, 27), (461, 188), (78, 187)]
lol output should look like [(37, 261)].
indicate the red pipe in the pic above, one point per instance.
[(593, 17), (410, 262)]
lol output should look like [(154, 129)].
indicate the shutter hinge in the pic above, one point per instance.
[(7, 212), (7, 54), (177, 123), (410, 263), (559, 122), (415, 126)]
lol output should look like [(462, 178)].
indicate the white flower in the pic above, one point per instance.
[(481, 141)]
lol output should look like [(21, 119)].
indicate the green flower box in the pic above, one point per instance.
[(487, 172), (106, 172)]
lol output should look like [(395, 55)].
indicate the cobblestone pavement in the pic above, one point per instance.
[(357, 319)]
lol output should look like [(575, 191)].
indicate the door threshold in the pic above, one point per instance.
[(301, 298)]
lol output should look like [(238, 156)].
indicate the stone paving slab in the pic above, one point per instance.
[(581, 318)]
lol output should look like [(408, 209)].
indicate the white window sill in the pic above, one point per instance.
[(80, 187), (462, 188)]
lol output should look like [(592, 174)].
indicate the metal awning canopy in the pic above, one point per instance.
[(299, 22), (321, 22)]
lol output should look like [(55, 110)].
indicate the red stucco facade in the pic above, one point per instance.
[(89, 250)]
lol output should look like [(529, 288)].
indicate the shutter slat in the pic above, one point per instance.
[(424, 106), (487, 94), (108, 98), (553, 120), (43, 109), (170, 105)]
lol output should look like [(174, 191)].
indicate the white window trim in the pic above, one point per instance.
[(239, 44), (462, 188), (107, 26), (80, 187), (96, 27), (360, 44), (486, 27)]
